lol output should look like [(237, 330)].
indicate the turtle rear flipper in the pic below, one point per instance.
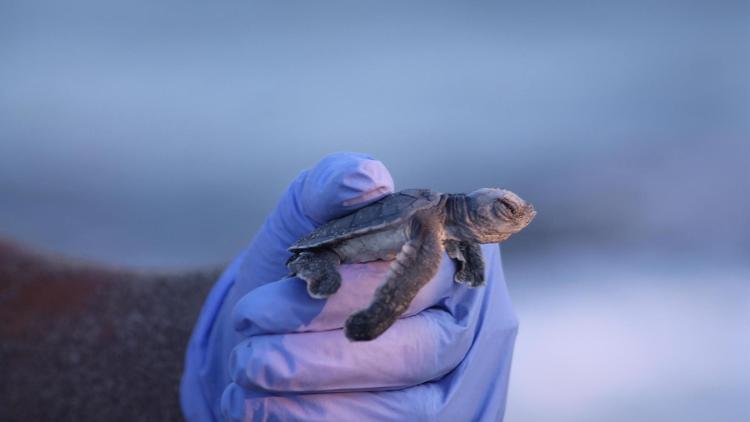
[(413, 267)]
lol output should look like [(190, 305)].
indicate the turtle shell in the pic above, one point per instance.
[(388, 211)]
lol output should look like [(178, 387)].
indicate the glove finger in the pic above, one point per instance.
[(475, 389), (414, 350), (285, 306), (418, 403)]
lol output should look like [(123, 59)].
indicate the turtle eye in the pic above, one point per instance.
[(506, 206)]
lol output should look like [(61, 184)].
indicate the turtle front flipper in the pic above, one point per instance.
[(414, 266), (319, 269), (469, 262)]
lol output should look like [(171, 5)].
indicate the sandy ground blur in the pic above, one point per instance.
[(84, 342)]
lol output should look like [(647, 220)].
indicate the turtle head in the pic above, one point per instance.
[(495, 214)]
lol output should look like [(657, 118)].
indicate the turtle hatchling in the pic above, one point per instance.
[(412, 228)]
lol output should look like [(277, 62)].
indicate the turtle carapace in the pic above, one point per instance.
[(412, 228)]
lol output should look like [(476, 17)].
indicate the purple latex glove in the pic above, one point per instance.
[(447, 358)]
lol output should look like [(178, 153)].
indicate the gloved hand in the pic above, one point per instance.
[(447, 358)]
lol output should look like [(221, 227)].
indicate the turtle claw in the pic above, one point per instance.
[(461, 277), (472, 278)]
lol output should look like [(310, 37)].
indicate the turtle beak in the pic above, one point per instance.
[(525, 217)]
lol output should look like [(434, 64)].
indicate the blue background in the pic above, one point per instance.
[(159, 134)]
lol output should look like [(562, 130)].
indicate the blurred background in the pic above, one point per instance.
[(157, 135)]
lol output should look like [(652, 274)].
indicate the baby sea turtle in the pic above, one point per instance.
[(411, 227)]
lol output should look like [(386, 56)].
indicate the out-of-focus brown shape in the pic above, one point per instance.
[(80, 341)]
